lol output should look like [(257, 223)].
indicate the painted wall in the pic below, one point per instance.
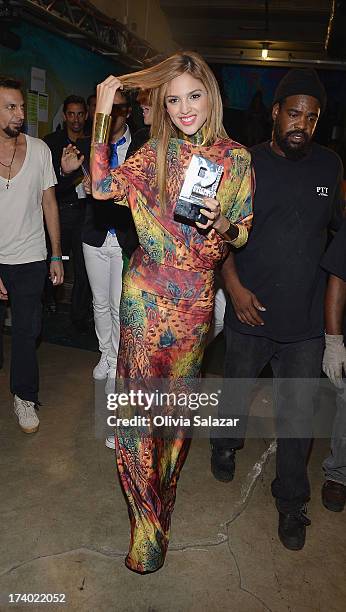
[(69, 69), (241, 82)]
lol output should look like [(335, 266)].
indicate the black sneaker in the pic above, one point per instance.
[(292, 528), (223, 463), (334, 495)]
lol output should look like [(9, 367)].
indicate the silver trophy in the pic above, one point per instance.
[(201, 181)]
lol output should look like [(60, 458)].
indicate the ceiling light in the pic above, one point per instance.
[(265, 51)]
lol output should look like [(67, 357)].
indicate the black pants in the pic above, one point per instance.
[(24, 283), (2, 320), (246, 356), (71, 224)]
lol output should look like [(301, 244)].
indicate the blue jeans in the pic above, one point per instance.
[(246, 356)]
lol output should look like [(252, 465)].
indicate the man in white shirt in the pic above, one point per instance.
[(107, 236), (27, 193)]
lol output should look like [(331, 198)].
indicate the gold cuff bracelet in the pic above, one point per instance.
[(240, 240), (101, 128)]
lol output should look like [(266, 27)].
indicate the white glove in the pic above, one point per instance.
[(334, 359)]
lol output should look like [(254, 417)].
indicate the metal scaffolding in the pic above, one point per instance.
[(80, 22)]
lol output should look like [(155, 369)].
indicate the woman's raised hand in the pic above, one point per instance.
[(215, 218), (105, 94)]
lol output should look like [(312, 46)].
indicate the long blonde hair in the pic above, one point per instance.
[(156, 79)]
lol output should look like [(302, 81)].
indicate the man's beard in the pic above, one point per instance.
[(292, 151), (11, 132)]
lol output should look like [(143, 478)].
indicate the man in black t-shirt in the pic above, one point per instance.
[(334, 364), (274, 311)]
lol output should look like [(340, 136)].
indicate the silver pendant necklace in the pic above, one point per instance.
[(9, 166)]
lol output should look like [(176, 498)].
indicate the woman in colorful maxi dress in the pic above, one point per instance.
[(168, 290)]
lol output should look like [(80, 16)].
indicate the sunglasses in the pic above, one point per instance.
[(120, 108)]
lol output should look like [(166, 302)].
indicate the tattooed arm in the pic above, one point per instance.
[(103, 180)]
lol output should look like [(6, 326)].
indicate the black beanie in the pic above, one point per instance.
[(301, 81)]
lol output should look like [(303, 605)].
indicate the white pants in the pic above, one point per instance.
[(219, 311), (104, 266)]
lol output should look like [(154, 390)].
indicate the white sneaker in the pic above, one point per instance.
[(110, 384), (26, 415), (110, 441), (100, 371)]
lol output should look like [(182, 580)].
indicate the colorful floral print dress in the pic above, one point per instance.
[(165, 314)]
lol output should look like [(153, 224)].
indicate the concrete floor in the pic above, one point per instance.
[(64, 526)]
